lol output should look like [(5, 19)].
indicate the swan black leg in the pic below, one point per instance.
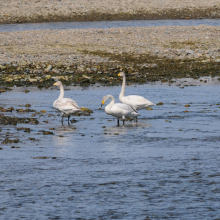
[(62, 119), (68, 119), (118, 122), (123, 122)]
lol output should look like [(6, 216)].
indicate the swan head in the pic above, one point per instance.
[(58, 83), (105, 98), (103, 102), (121, 74)]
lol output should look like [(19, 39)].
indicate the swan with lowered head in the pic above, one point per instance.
[(119, 110), (136, 101), (65, 105)]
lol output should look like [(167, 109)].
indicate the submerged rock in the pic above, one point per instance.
[(86, 110), (7, 141)]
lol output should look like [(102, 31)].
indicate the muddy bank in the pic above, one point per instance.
[(21, 11)]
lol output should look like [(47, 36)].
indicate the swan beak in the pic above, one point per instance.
[(103, 102), (119, 74), (55, 84)]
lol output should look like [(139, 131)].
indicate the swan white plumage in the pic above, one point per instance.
[(119, 110), (66, 106), (136, 101)]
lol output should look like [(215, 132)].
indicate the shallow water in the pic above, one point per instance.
[(165, 166), (106, 24)]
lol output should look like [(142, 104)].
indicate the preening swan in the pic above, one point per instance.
[(118, 110), (136, 101), (65, 105)]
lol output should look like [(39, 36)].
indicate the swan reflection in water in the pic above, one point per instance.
[(130, 126), (64, 135)]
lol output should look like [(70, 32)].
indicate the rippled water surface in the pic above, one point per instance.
[(164, 167), (107, 24)]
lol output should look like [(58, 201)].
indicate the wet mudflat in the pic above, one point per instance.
[(165, 166)]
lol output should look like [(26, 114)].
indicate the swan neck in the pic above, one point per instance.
[(109, 106), (123, 87), (61, 92)]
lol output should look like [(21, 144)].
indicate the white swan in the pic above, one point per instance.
[(136, 101), (65, 105), (118, 110)]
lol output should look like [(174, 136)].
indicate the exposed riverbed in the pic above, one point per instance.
[(22, 11), (97, 54)]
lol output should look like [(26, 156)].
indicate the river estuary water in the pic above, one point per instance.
[(164, 167), (107, 24)]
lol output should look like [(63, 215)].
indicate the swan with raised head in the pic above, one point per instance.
[(136, 101), (119, 110), (66, 106)]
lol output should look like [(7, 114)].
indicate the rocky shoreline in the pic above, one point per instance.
[(88, 56)]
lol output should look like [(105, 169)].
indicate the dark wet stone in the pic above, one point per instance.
[(41, 157), (86, 113), (28, 130), (73, 121), (86, 110), (7, 110), (160, 103), (7, 141), (149, 108), (48, 133)]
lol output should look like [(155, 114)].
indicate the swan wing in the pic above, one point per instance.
[(66, 103), (136, 101), (124, 110), (125, 107)]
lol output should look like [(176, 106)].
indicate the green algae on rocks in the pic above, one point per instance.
[(139, 68)]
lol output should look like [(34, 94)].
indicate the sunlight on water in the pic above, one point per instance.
[(164, 166)]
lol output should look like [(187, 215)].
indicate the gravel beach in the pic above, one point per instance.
[(97, 55), (20, 11)]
